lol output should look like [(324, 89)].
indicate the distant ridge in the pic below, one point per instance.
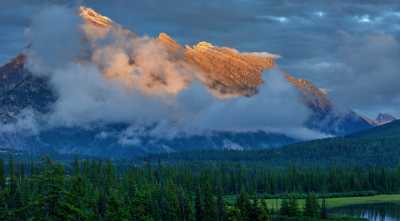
[(377, 147)]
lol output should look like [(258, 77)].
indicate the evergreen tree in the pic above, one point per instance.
[(14, 198), (324, 210), (244, 205), (221, 206), (54, 202), (312, 208), (185, 206), (94, 190), (209, 204), (254, 212), (115, 210), (3, 206), (233, 214), (2, 176), (264, 214), (284, 208), (293, 207), (140, 207), (199, 212), (171, 210)]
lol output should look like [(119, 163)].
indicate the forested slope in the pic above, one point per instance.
[(379, 146)]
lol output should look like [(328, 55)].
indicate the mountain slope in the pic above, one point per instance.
[(389, 130), (224, 70), (19, 90), (379, 146)]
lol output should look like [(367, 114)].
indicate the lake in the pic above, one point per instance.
[(372, 212)]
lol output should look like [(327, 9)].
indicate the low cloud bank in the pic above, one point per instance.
[(113, 76)]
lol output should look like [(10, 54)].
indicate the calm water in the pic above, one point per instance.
[(372, 212)]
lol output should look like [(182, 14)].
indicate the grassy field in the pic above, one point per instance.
[(340, 201)]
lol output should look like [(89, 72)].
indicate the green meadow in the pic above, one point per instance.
[(337, 201)]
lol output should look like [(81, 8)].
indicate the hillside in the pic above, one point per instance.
[(379, 146), (390, 130)]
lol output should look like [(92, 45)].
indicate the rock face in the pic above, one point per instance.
[(227, 69), (20, 90), (232, 72), (222, 69), (91, 16)]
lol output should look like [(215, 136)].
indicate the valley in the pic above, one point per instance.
[(253, 110)]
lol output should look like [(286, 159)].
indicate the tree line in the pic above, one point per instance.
[(345, 151), (102, 190)]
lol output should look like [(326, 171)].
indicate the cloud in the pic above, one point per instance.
[(55, 39), (306, 40), (86, 96), (119, 77), (372, 73), (267, 111), (26, 123), (271, 109)]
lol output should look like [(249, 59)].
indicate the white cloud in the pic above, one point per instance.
[(129, 79), (320, 14), (363, 18), (280, 19)]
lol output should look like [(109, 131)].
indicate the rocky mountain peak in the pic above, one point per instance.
[(169, 42), (203, 45), (93, 17)]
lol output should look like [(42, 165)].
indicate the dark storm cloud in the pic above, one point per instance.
[(309, 35)]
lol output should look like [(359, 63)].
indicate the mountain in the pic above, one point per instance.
[(22, 90), (226, 71), (378, 147), (231, 72), (388, 130), (19, 89), (382, 119)]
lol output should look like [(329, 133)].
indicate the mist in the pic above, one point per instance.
[(106, 76)]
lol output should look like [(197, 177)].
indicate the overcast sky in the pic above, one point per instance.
[(350, 48)]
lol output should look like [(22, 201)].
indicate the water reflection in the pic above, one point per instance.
[(372, 212)]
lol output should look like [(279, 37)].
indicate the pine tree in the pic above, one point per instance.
[(199, 212), (243, 203), (140, 206), (221, 206), (3, 206), (2, 176), (54, 201), (284, 208), (14, 200), (76, 167), (185, 206), (233, 214), (264, 211), (171, 211), (324, 210), (254, 212), (312, 208), (116, 211), (293, 210), (210, 205)]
